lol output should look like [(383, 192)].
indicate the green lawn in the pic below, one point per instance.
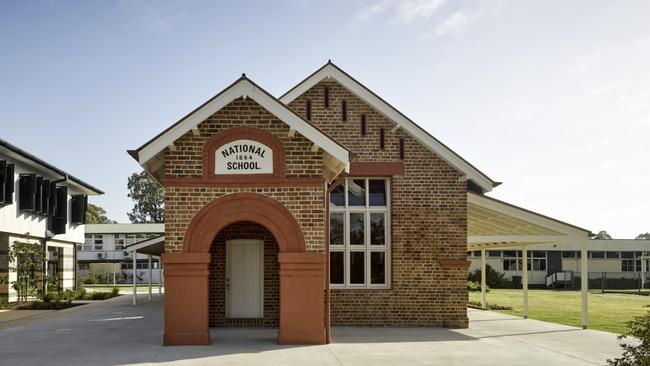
[(607, 312)]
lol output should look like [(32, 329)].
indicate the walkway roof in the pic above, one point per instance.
[(496, 224), (154, 246)]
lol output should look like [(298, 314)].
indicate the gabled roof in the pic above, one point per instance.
[(332, 71), (243, 87), (25, 157)]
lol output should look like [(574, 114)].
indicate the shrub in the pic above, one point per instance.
[(494, 279), (637, 352), (51, 296), (90, 279), (475, 286), (98, 296), (477, 305), (80, 294), (104, 295), (69, 295)]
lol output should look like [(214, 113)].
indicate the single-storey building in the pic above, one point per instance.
[(43, 206), (326, 206), (104, 255), (553, 265)]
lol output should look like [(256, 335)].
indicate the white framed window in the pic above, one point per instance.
[(88, 243), (360, 234), (631, 265), (98, 242), (130, 239), (512, 260), (120, 241)]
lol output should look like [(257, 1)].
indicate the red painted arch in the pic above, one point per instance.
[(231, 208)]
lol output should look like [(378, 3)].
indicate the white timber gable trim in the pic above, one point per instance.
[(330, 71), (247, 89)]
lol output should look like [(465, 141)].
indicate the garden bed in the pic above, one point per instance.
[(60, 300)]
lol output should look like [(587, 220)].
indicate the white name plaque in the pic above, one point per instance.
[(243, 157)]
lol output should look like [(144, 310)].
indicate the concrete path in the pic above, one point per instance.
[(115, 333), (8, 316)]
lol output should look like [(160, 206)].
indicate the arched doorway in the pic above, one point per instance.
[(244, 270), (301, 273)]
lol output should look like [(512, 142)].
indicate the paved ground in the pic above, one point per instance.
[(10, 316), (115, 333)]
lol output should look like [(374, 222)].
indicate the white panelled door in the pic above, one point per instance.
[(244, 278)]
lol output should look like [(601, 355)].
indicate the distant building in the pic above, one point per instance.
[(43, 205), (618, 258), (103, 252)]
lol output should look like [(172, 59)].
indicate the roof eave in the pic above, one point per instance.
[(40, 162), (243, 87), (330, 70)]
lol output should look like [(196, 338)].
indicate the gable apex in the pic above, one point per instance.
[(149, 153), (331, 71)]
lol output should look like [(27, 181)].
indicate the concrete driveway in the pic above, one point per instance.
[(115, 333)]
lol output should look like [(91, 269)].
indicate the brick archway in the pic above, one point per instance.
[(187, 273), (236, 207)]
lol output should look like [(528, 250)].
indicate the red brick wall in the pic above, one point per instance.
[(186, 161), (428, 222), (253, 231), (183, 202), (428, 206)]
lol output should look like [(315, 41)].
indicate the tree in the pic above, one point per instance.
[(26, 259), (637, 351), (149, 197), (644, 236), (97, 215), (603, 235)]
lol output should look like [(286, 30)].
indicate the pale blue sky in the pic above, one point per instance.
[(550, 97)]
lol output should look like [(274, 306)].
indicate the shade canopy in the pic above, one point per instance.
[(496, 224), (154, 246)]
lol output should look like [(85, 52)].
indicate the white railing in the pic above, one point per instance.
[(563, 276)]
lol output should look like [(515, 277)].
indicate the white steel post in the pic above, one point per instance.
[(483, 281), (150, 272), (159, 276), (135, 295), (643, 270), (584, 283), (524, 279)]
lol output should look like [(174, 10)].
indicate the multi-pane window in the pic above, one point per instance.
[(98, 242), (88, 243), (129, 239), (631, 265), (120, 241), (93, 242), (512, 260), (140, 264), (596, 254), (359, 233)]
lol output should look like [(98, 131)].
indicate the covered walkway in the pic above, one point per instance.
[(494, 224), (150, 247), (115, 333)]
